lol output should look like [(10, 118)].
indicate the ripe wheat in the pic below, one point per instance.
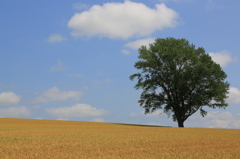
[(43, 139)]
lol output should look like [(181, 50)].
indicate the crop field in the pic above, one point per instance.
[(54, 139)]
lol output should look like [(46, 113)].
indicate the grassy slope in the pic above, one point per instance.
[(27, 138)]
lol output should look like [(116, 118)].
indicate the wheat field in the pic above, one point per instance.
[(54, 139)]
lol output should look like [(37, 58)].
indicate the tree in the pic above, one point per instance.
[(179, 79)]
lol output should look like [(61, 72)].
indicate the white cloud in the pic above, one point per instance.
[(122, 20), (234, 95), (10, 86), (78, 110), (98, 120), (75, 75), (175, 1), (138, 43), (9, 98), (85, 88), (54, 94), (214, 5), (62, 119), (15, 112), (56, 38), (222, 58), (80, 6), (58, 67), (233, 124), (222, 120), (125, 52), (219, 115), (36, 107), (215, 119), (97, 83), (153, 123), (133, 114)]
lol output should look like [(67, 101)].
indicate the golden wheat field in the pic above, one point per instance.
[(54, 139)]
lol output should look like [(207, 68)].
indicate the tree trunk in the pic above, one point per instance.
[(180, 123)]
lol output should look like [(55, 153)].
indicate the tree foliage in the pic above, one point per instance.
[(180, 79)]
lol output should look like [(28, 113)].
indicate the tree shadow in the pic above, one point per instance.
[(140, 125)]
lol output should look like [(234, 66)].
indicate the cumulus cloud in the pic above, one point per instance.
[(54, 94), (164, 1), (78, 110), (234, 95), (214, 5), (125, 52), (56, 38), (222, 120), (80, 6), (122, 20), (219, 115), (153, 123), (9, 98), (215, 119), (224, 124), (10, 86), (75, 75), (58, 67), (133, 114), (98, 120), (222, 58), (97, 83), (15, 112), (138, 43)]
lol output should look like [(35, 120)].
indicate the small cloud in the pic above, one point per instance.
[(214, 5), (36, 107), (9, 98), (153, 123), (85, 88), (62, 119), (125, 52), (15, 112), (80, 6), (75, 75), (98, 120), (54, 94), (56, 38), (100, 73), (97, 83), (137, 44), (133, 114), (58, 67), (7, 86), (164, 1), (223, 58), (77, 110), (234, 95)]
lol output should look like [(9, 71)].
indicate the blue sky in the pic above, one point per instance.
[(71, 60)]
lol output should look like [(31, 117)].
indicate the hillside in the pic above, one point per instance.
[(29, 138)]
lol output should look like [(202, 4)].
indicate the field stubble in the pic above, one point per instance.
[(26, 138)]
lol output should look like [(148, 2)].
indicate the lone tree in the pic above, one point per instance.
[(180, 79)]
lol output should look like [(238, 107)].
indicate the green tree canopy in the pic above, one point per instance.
[(180, 79)]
